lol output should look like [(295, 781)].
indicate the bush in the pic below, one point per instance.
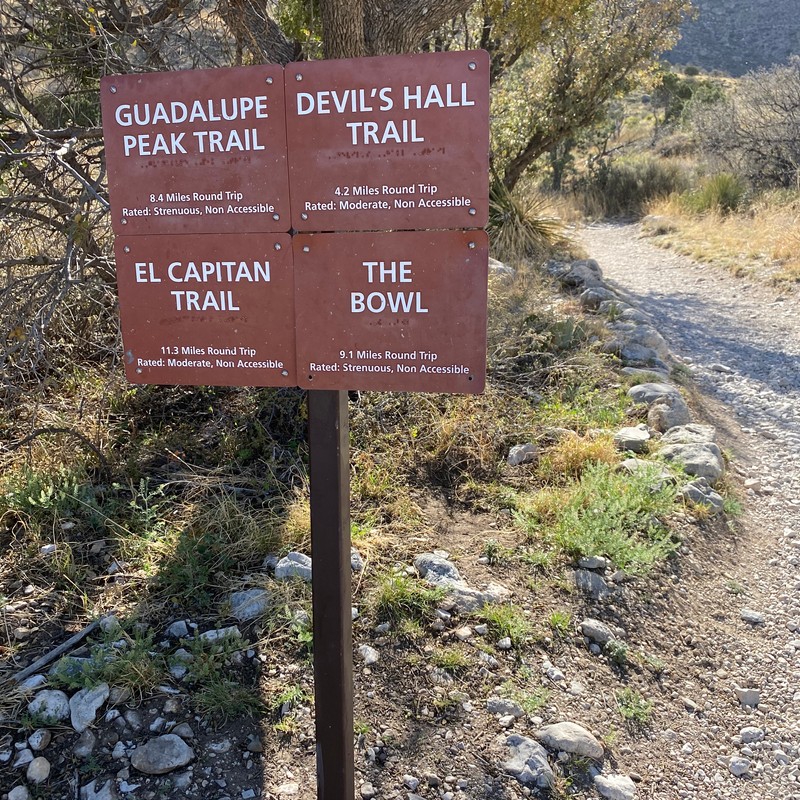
[(723, 193), (519, 225), (626, 187), (755, 133)]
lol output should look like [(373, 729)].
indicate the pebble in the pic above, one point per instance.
[(38, 770)]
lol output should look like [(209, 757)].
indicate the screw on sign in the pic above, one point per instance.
[(389, 143)]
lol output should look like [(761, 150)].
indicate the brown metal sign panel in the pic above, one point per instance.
[(399, 311), (197, 151), (389, 143), (207, 309)]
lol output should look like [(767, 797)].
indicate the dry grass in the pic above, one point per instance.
[(762, 242)]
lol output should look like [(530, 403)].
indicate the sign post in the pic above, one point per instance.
[(380, 167), (328, 432)]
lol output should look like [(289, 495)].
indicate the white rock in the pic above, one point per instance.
[(19, 793), (51, 705), (217, 634), (571, 738), (83, 706), (39, 739), (293, 565), (739, 766), (161, 755), (38, 770), (250, 604), (369, 654), (615, 787), (522, 454)]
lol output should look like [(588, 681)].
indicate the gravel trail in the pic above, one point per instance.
[(741, 341)]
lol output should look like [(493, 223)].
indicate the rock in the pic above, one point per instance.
[(615, 787), (39, 739), (250, 604), (752, 617), (651, 392), (83, 706), (751, 734), (645, 375), (522, 454), (592, 584), (437, 570), (410, 782), (33, 683), (703, 459), (739, 766), (184, 730), (367, 791), (597, 631), (595, 296), (592, 562), (38, 770), (293, 565), (748, 697), (633, 439), (108, 791), (24, 757), (503, 706), (571, 738), (500, 269), (528, 762), (693, 433), (369, 654), (85, 745), (178, 629), (19, 793), (463, 633), (162, 754), (668, 412), (505, 643), (51, 705), (356, 561), (218, 634), (582, 274), (700, 493), (288, 789)]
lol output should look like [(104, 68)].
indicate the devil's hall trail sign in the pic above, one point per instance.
[(316, 226)]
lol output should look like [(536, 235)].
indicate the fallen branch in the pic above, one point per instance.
[(55, 653), (41, 431)]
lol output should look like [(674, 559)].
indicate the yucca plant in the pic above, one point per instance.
[(519, 225)]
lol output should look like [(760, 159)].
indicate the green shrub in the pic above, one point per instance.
[(723, 193), (519, 225), (616, 188)]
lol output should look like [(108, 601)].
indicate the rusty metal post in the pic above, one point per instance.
[(328, 436)]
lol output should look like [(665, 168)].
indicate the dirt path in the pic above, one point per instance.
[(741, 341)]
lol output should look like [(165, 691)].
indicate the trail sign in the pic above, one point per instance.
[(389, 143), (400, 311), (198, 151), (208, 309)]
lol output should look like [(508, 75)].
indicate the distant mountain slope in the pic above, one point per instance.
[(737, 36)]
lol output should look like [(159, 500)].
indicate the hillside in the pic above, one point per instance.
[(737, 36)]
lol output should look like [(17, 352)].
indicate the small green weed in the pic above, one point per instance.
[(540, 560), (505, 620), (617, 652), (451, 660), (560, 623), (290, 696), (495, 553), (633, 708), (608, 513), (400, 597), (530, 701)]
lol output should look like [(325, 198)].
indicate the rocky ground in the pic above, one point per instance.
[(678, 686)]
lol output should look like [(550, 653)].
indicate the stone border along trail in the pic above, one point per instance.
[(741, 342)]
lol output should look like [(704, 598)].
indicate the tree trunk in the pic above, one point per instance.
[(343, 28)]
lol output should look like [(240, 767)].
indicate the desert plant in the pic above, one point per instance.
[(723, 192)]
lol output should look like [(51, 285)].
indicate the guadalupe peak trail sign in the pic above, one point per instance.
[(399, 311), (208, 309), (198, 151), (389, 143)]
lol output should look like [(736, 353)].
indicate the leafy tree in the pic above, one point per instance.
[(563, 85)]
